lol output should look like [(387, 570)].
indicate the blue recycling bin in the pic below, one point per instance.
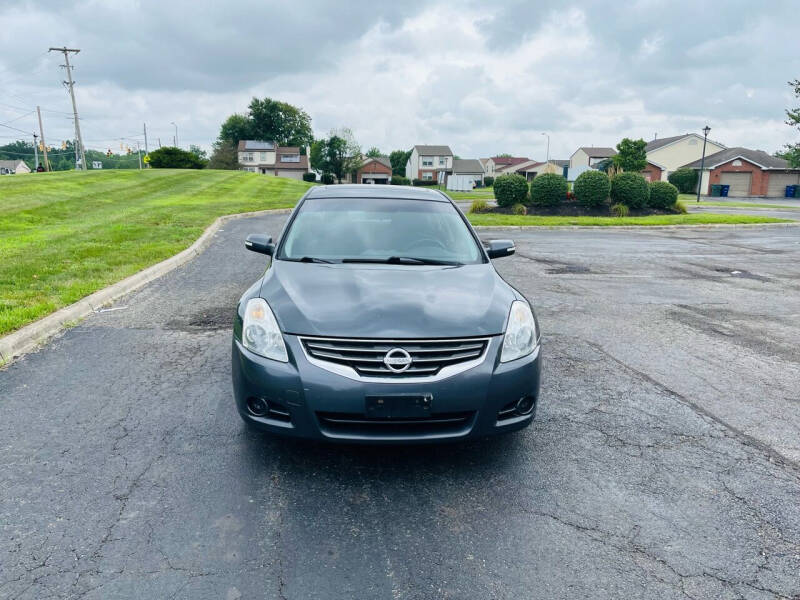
[(724, 191), (790, 191)]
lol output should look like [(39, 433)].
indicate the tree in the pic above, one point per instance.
[(224, 156), (281, 122), (503, 155), (236, 127), (374, 152), (339, 154), (631, 155), (170, 157), (271, 120), (792, 152), (399, 158), (198, 152)]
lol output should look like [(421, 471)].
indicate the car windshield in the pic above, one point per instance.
[(379, 230)]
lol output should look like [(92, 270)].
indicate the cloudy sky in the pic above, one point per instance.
[(481, 77)]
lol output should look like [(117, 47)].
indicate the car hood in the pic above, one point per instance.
[(387, 301)]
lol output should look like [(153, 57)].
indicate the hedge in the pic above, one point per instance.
[(510, 189), (425, 182), (630, 189), (488, 181), (592, 188), (327, 178), (400, 180), (663, 195), (548, 190), (309, 176), (684, 179)]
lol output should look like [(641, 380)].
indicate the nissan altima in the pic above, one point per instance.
[(381, 319)]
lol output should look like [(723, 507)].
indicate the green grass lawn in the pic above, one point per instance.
[(477, 193), (691, 200), (65, 235), (650, 220)]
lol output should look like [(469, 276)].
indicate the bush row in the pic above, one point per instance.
[(400, 180), (424, 182), (592, 190)]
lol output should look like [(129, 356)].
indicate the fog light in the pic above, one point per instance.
[(258, 407), (525, 405)]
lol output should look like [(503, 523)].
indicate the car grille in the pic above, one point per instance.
[(346, 425), (366, 357)]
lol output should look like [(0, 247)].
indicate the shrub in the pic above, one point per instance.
[(548, 190), (592, 188), (663, 195), (170, 157), (519, 209), (479, 206), (309, 176), (510, 189), (630, 189), (424, 182), (680, 208), (683, 179), (327, 178), (488, 181), (400, 180), (619, 210)]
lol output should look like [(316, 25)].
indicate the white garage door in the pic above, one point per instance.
[(739, 182), (778, 182)]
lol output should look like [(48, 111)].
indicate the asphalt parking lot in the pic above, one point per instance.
[(664, 461)]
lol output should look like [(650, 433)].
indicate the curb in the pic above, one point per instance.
[(641, 227), (31, 336)]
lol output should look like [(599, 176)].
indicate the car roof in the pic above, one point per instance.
[(400, 192)]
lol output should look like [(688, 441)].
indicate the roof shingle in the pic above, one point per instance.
[(759, 157)]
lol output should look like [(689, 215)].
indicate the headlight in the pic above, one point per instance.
[(520, 337), (260, 331)]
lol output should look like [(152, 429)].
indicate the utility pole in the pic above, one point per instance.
[(144, 125), (139, 154), (159, 142), (71, 84), (44, 144), (35, 151)]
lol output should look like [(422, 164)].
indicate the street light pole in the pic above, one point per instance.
[(706, 129), (548, 147), (175, 139)]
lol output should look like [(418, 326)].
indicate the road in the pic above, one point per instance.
[(664, 461)]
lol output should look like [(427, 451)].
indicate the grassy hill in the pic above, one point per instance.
[(65, 235)]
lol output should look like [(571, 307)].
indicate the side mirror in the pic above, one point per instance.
[(258, 242), (500, 248)]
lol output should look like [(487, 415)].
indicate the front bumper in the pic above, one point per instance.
[(307, 401)]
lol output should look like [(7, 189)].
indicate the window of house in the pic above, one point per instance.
[(263, 157), (427, 176), (427, 161), (248, 157), (293, 158), (442, 161)]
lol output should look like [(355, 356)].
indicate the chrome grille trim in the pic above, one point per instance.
[(456, 355)]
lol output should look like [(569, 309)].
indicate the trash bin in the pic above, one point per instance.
[(724, 190), (791, 191), (797, 191), (716, 189)]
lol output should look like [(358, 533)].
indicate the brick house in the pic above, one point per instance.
[(376, 170), (267, 158), (747, 172), (665, 155)]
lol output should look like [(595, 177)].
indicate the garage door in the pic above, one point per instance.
[(739, 182), (778, 182)]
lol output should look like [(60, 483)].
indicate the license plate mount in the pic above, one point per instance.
[(398, 406)]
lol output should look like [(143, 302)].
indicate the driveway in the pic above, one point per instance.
[(663, 462)]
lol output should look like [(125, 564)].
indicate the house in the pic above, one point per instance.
[(373, 170), (267, 158), (488, 166), (590, 156), (468, 169), (747, 172), (430, 163), (530, 169), (13, 167), (666, 155), (506, 164)]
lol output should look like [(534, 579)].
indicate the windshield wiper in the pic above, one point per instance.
[(310, 259), (409, 260)]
